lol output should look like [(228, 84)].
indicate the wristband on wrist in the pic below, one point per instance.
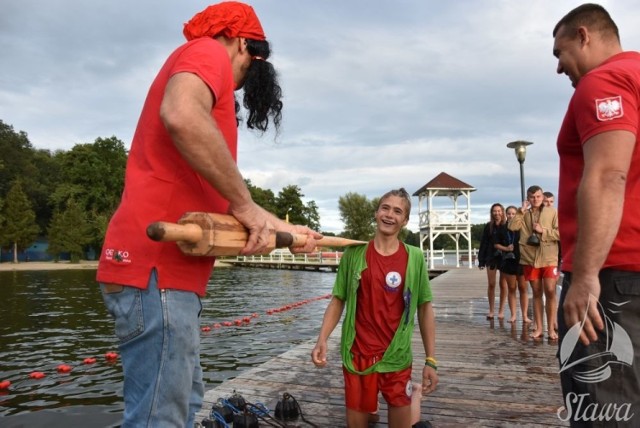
[(431, 362)]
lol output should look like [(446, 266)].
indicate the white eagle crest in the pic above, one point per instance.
[(609, 108)]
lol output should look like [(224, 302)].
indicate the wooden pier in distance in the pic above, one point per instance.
[(491, 373), (283, 259)]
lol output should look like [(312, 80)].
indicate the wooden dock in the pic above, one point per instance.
[(491, 373)]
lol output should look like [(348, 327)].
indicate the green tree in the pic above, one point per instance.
[(358, 215), (92, 175), (40, 181), (289, 205), (476, 234), (312, 216), (15, 155), (69, 232), (263, 197), (19, 228)]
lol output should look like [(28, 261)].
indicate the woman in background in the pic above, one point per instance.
[(490, 256), (512, 270)]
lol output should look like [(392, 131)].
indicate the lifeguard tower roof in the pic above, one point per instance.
[(444, 181)]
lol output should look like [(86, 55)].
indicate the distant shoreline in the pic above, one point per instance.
[(63, 265)]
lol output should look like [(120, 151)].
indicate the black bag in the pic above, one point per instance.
[(287, 409)]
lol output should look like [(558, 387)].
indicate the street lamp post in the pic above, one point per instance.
[(520, 148)]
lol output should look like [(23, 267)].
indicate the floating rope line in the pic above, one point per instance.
[(61, 369), (247, 319)]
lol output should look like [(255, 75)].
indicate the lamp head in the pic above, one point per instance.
[(520, 148)]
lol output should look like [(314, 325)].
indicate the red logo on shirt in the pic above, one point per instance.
[(609, 108)]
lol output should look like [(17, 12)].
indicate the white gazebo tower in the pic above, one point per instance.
[(437, 219)]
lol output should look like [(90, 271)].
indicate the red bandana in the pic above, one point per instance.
[(229, 19)]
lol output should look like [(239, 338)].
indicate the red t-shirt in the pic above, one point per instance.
[(161, 186), (606, 99), (380, 301)]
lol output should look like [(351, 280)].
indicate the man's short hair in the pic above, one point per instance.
[(533, 189), (590, 15), (547, 194), (401, 193)]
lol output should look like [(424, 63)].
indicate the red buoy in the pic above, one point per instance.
[(36, 375), (5, 384), (111, 356), (89, 361), (206, 328), (64, 368)]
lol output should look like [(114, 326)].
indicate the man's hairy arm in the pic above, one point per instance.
[(186, 113), (607, 157)]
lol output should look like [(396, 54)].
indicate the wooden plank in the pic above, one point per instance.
[(491, 372)]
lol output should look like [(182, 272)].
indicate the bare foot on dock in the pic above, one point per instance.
[(536, 334), (526, 321), (512, 319)]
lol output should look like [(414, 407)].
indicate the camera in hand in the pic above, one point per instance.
[(533, 240), (509, 256)]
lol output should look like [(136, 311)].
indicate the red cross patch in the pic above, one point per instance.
[(609, 108)]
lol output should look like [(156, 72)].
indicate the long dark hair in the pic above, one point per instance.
[(262, 93), (502, 220)]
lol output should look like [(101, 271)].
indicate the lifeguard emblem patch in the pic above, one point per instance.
[(609, 108)]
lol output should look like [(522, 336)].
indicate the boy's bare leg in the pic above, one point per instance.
[(538, 317), (524, 298), (551, 306), (357, 419), (399, 417)]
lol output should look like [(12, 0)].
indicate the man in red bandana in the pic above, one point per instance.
[(599, 216), (183, 158)]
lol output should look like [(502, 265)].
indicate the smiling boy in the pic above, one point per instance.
[(382, 284)]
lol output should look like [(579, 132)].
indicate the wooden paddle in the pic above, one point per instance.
[(210, 234)]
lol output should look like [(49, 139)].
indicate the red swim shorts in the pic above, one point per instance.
[(361, 391), (532, 274)]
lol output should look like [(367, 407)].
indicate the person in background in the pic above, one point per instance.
[(599, 214), (183, 158), (382, 284), (490, 256), (538, 227), (512, 270), (548, 201)]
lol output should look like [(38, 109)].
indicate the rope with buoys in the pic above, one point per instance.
[(245, 320), (61, 369)]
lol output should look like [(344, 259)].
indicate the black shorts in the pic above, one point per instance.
[(591, 372), (510, 266)]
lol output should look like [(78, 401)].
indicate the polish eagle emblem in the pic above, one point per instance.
[(609, 108)]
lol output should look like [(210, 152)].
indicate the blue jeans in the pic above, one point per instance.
[(159, 334)]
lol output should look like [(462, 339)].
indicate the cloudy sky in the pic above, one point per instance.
[(378, 94)]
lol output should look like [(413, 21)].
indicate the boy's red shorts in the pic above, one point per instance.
[(361, 391), (532, 274)]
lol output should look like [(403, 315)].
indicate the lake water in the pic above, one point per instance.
[(51, 318)]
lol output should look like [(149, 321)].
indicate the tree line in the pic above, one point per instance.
[(68, 197)]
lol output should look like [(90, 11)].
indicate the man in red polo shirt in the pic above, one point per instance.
[(183, 158), (599, 216)]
